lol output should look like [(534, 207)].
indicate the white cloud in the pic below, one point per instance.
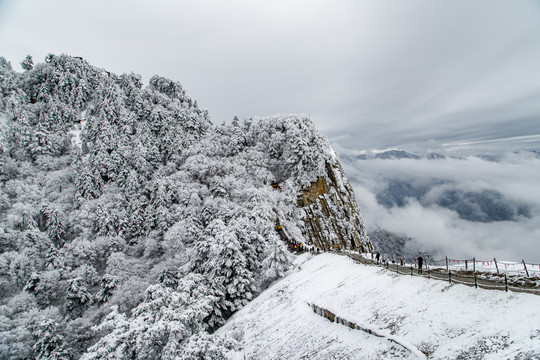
[(442, 230)]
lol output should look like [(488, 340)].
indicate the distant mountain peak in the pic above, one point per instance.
[(396, 154)]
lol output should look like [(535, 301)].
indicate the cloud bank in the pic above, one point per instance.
[(442, 230)]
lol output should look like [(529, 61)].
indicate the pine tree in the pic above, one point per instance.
[(114, 345), (27, 63), (217, 189), (89, 183), (31, 284), (220, 256), (109, 283), (50, 342), (54, 223), (78, 297), (204, 346), (160, 325), (168, 278), (276, 263)]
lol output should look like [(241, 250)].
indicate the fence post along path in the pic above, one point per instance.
[(493, 274)]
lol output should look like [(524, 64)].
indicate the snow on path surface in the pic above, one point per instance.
[(442, 321)]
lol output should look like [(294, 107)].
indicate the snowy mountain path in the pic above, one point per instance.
[(459, 277), (444, 276), (442, 321), (436, 274)]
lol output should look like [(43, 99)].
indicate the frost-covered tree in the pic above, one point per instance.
[(54, 222), (49, 289), (276, 263), (50, 342), (78, 296), (220, 257), (19, 320), (203, 346), (32, 282), (89, 183), (182, 234), (109, 283), (160, 325), (27, 63), (21, 217)]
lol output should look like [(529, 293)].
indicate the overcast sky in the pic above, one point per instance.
[(372, 74)]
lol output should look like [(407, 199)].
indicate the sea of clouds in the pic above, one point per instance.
[(494, 209)]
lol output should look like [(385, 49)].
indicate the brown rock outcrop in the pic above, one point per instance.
[(331, 215)]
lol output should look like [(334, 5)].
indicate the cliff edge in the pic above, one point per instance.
[(330, 212)]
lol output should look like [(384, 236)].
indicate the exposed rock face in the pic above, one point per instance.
[(310, 195), (331, 215)]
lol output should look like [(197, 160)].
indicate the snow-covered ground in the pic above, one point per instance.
[(440, 320), (510, 268), (77, 129)]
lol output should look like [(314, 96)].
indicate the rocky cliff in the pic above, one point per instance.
[(330, 212)]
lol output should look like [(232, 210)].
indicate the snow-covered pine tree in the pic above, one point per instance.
[(27, 63), (160, 326), (109, 283), (50, 342), (54, 223), (78, 296)]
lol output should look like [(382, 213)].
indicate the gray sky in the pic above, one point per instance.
[(372, 74)]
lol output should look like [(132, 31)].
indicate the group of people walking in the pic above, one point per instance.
[(295, 246), (292, 244), (384, 260)]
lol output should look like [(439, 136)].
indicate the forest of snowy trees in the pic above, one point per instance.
[(131, 227)]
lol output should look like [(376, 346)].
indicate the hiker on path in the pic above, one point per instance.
[(378, 257), (420, 262)]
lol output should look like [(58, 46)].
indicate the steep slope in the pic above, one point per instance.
[(131, 226), (331, 215), (395, 317)]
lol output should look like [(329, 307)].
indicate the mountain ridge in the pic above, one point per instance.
[(132, 225)]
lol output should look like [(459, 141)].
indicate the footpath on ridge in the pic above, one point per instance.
[(457, 277), (468, 278)]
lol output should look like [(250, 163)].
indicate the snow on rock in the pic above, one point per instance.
[(331, 214), (440, 320)]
